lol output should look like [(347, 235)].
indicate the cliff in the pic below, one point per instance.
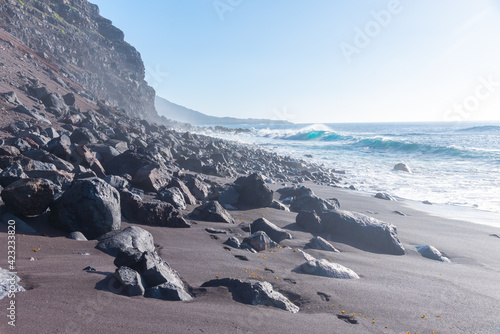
[(71, 38)]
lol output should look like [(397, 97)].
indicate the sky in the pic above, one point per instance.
[(322, 61)]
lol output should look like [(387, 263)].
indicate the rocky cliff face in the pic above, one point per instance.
[(84, 47)]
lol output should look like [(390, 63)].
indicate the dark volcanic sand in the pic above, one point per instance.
[(405, 293)]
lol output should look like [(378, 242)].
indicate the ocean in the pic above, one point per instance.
[(454, 164)]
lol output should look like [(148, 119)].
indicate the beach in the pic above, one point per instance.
[(395, 294)]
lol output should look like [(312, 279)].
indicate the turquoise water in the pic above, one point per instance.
[(452, 163)]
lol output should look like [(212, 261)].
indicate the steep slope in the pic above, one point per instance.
[(74, 41), (182, 114)]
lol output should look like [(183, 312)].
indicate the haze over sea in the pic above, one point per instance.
[(455, 164)]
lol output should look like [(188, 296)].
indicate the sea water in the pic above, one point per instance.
[(456, 164)]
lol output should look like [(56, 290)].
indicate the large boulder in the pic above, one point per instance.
[(260, 241), (168, 291), (85, 158), (83, 136), (198, 188), (28, 197), (363, 231), (253, 191), (90, 206), (326, 268), (132, 237), (254, 293), (213, 212), (274, 232), (60, 146), (128, 162)]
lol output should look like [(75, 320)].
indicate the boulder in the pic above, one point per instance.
[(363, 231), (232, 242), (228, 195), (12, 174), (254, 293), (54, 103), (60, 178), (151, 178), (385, 196), (432, 253), (311, 202), (157, 213), (326, 268), (21, 226), (60, 147), (168, 291), (129, 257), (132, 237), (128, 162), (90, 206), (402, 167), (188, 196), (321, 244), (9, 151), (198, 188), (260, 241), (28, 197), (131, 280), (83, 136), (117, 182), (274, 232), (253, 191), (279, 206), (77, 235), (192, 164), (309, 221), (173, 196), (294, 192), (213, 212), (85, 158)]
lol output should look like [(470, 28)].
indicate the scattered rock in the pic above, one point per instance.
[(77, 235), (279, 206), (385, 196), (402, 167), (233, 242), (253, 191), (274, 232), (310, 202), (321, 244), (254, 293), (215, 231), (131, 237), (363, 231), (427, 202), (168, 291), (157, 213), (29, 197), (432, 253), (309, 221), (188, 196), (131, 280), (213, 212), (90, 206), (400, 213), (260, 241), (173, 196), (325, 268), (151, 178), (198, 188)]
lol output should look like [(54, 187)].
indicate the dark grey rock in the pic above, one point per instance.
[(117, 182), (260, 241), (188, 196), (131, 280), (155, 271), (90, 206), (253, 191), (309, 221), (321, 244), (311, 202), (173, 196), (28, 197), (215, 231), (60, 147), (385, 196), (228, 195), (77, 235), (60, 178), (129, 257), (274, 232), (363, 231), (9, 150), (168, 291), (11, 97), (254, 293), (233, 242), (198, 188), (12, 174), (279, 206), (157, 213), (432, 253), (326, 268), (192, 164), (83, 136), (21, 225), (132, 237), (213, 212), (151, 178)]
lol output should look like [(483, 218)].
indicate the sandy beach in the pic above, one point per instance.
[(395, 294)]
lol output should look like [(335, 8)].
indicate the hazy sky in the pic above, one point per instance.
[(320, 61)]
